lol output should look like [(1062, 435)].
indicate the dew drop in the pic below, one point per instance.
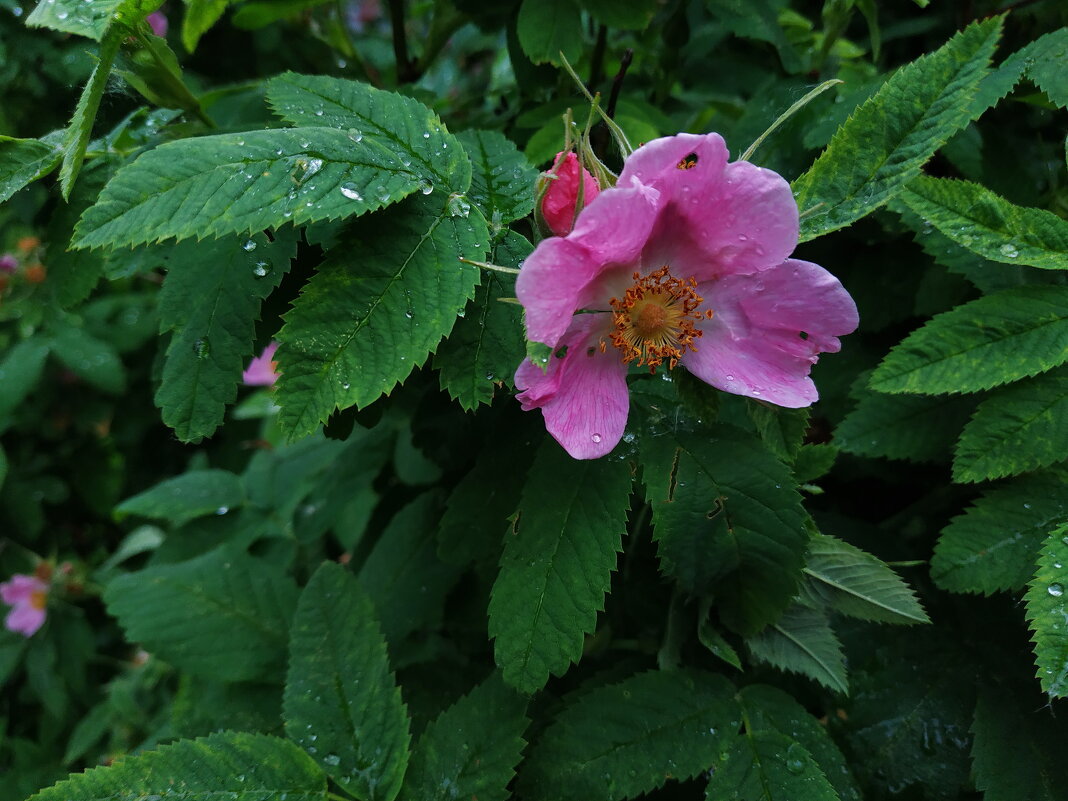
[(346, 385), (426, 187), (795, 762), (596, 437), (332, 759), (250, 245), (222, 510), (1056, 590), (730, 378), (202, 348), (261, 269), (355, 135), (349, 190), (426, 134), (1009, 250)]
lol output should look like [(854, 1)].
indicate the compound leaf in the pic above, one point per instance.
[(1047, 613)]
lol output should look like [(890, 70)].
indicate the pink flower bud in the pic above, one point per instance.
[(8, 263), (157, 20), (562, 194)]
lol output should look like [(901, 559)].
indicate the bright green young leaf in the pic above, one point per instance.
[(768, 766), (403, 575), (855, 583), (186, 497), (557, 564), (1048, 66), (1018, 750), (996, 339), (502, 180), (199, 17), (403, 125), (20, 370), (242, 183), (23, 161), (380, 304), (487, 345), (727, 518), (623, 14), (80, 128), (547, 28), (341, 701), (1047, 613), (471, 750), (211, 300), (91, 359), (232, 765), (917, 428), (992, 547), (976, 218), (1019, 428), (223, 615), (79, 17), (771, 710), (626, 739), (802, 641), (886, 141)]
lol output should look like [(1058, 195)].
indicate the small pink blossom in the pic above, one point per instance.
[(562, 193), (684, 262), (157, 20), (27, 596), (8, 263), (262, 371)]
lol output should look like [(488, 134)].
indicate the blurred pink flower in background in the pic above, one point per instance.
[(8, 263), (157, 20), (684, 262), (28, 597), (562, 194), (261, 371)]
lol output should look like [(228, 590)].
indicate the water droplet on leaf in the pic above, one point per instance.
[(1056, 590)]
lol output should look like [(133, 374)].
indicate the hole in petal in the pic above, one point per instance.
[(687, 162)]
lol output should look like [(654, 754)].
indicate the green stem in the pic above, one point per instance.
[(175, 80), (796, 107), (494, 267)]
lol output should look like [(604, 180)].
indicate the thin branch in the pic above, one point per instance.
[(405, 67), (617, 83)]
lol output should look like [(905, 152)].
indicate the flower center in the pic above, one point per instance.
[(38, 599), (654, 320)]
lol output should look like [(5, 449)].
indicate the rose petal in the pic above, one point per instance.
[(583, 397), (554, 279), (261, 370), (25, 619), (19, 588), (753, 346), (656, 163), (562, 194)]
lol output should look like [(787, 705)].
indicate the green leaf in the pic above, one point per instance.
[(487, 345), (768, 766), (629, 738), (19, 372), (403, 575), (919, 428), (234, 765), (886, 141), (974, 217), (502, 180), (557, 564), (1019, 428), (992, 547), (814, 461), (186, 497), (341, 701), (726, 517), (471, 749), (380, 304), (802, 641), (857, 584), (82, 18), (1048, 66), (632, 15), (244, 182), (211, 300), (993, 340), (782, 430), (757, 19), (417, 138), (769, 709), (199, 17), (202, 706), (1018, 750), (223, 615), (72, 274), (23, 161), (715, 642), (547, 28), (89, 358), (80, 128), (1047, 613)]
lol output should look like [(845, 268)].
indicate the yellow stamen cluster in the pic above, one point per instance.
[(654, 320), (688, 163)]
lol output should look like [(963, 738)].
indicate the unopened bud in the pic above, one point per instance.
[(568, 188)]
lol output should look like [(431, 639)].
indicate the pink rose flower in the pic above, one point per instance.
[(28, 597), (683, 262), (8, 263), (157, 21), (561, 196), (262, 371)]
